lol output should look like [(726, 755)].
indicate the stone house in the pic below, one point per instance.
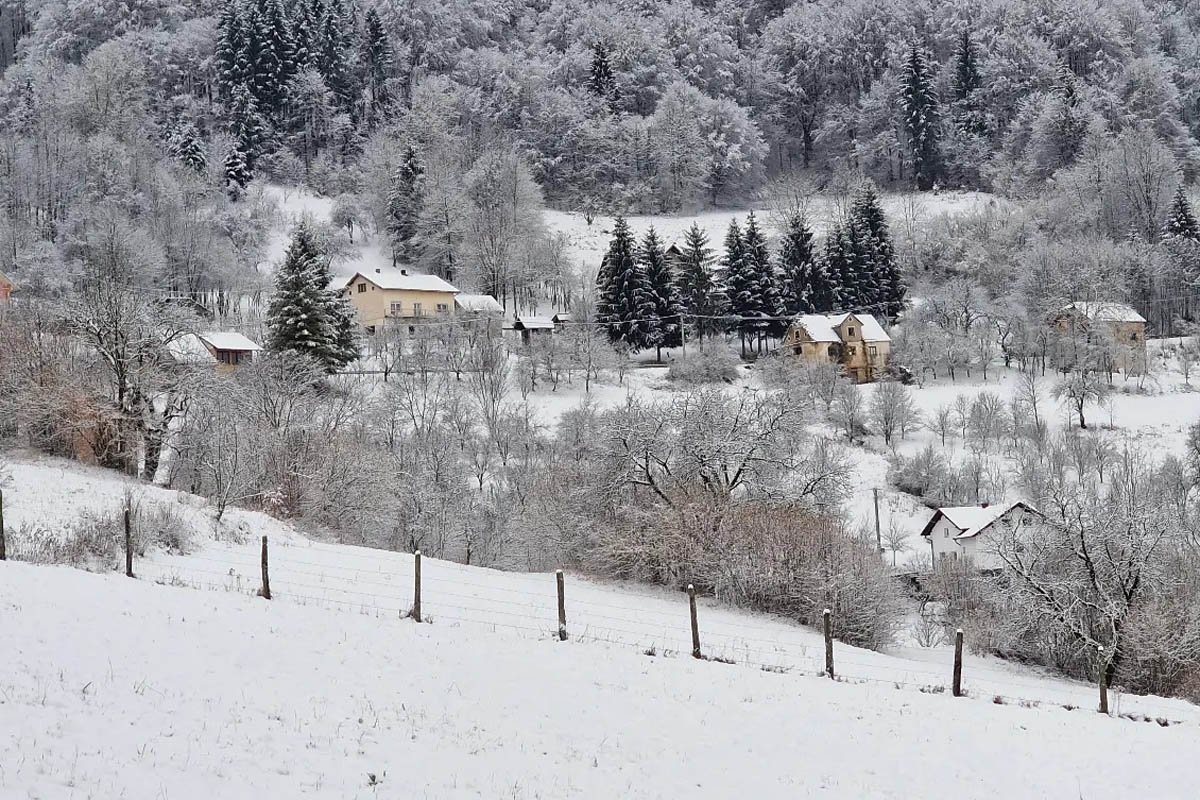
[(856, 342)]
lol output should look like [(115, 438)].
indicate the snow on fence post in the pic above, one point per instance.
[(695, 624), (266, 576), (128, 539), (562, 606), (416, 609), (1102, 668), (828, 625), (958, 641), (3, 554)]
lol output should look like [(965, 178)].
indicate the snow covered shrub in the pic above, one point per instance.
[(782, 558), (715, 364)]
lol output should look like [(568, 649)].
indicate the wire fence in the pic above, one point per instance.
[(382, 584)]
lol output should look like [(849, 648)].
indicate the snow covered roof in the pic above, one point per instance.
[(188, 349), (819, 327), (972, 520), (1105, 311), (533, 323), (561, 317), (229, 340), (402, 279), (7, 281), (822, 327), (480, 303)]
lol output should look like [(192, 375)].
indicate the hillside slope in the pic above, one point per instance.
[(120, 688)]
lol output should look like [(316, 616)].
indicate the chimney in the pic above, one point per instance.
[(403, 272), (378, 271), (984, 504)]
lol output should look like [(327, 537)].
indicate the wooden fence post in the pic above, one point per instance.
[(695, 623), (128, 540), (1103, 670), (3, 553), (958, 641), (562, 606), (416, 609), (828, 625), (266, 575)]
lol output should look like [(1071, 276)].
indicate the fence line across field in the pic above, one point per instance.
[(547, 607)]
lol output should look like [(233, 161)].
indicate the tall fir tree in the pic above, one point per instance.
[(1181, 221), (919, 104), (332, 54), (247, 126), (603, 82), (233, 67), (748, 279), (625, 302), (874, 272), (377, 58), (237, 173), (275, 61), (187, 146), (667, 320), (306, 315), (966, 83), (797, 267), (405, 201), (838, 290), (700, 293)]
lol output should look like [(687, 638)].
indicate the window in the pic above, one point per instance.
[(442, 308), (396, 308), (362, 287), (945, 533), (849, 333), (874, 351), (850, 350), (1133, 337), (416, 309)]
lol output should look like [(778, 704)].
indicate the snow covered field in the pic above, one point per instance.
[(120, 688)]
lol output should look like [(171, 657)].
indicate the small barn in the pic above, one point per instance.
[(226, 350), (529, 327), (960, 533), (561, 320)]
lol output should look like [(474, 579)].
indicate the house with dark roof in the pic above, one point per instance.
[(962, 533)]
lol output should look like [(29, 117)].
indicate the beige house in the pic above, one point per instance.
[(386, 294), (961, 533), (1114, 332), (7, 287), (856, 342)]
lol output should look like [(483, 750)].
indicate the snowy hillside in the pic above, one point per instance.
[(120, 688)]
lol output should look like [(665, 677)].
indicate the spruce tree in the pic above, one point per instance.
[(603, 82), (873, 276), (275, 60), (797, 267), (332, 56), (765, 298), (667, 321), (246, 125), (919, 103), (405, 201), (306, 315), (377, 61), (237, 173), (965, 83), (232, 67), (625, 303), (186, 145), (834, 288), (742, 281), (1181, 222), (700, 293)]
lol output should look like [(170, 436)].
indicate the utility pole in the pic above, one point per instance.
[(878, 536)]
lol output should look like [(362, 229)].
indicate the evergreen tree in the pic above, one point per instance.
[(919, 103), (377, 60), (625, 302), (700, 293), (753, 294), (332, 54), (873, 276), (833, 288), (603, 82), (303, 23), (232, 67), (1181, 222), (667, 322), (246, 125), (306, 315), (186, 145), (405, 201), (237, 173), (275, 59), (797, 267), (965, 83)]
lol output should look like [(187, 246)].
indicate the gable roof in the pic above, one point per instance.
[(229, 340), (484, 303), (533, 323), (822, 327), (1105, 311), (402, 279), (7, 280), (973, 520)]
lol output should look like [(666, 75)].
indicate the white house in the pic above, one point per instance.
[(960, 533)]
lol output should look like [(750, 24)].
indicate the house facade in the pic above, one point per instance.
[(225, 350), (531, 327), (962, 534), (1112, 334), (856, 342), (7, 287), (386, 295)]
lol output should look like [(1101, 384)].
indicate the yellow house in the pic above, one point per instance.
[(386, 294), (856, 342)]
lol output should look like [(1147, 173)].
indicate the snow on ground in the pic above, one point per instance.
[(122, 688)]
